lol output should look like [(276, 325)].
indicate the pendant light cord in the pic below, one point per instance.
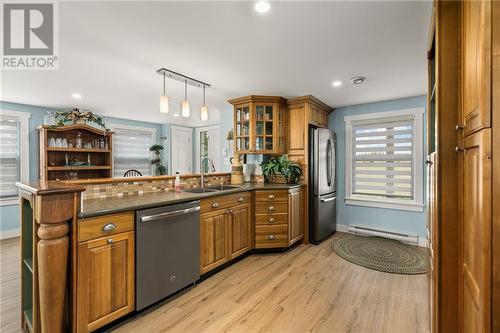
[(185, 89), (204, 95), (163, 83)]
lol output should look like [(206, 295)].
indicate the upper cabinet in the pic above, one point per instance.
[(259, 124), (476, 65)]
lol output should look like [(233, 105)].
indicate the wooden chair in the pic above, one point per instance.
[(132, 173)]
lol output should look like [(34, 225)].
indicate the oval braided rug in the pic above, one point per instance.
[(381, 254)]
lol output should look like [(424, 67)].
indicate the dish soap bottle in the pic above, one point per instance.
[(177, 182)]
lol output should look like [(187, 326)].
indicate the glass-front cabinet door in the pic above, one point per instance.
[(259, 125)]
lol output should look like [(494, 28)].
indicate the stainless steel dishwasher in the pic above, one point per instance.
[(167, 251)]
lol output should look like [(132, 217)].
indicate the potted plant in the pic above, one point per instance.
[(281, 170), (78, 116), (156, 161)]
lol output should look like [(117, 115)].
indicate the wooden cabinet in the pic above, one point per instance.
[(476, 65), (476, 233), (259, 124), (225, 233), (105, 281), (279, 217)]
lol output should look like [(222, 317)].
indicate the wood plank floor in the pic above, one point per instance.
[(307, 289)]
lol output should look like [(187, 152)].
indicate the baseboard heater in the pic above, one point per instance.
[(361, 230)]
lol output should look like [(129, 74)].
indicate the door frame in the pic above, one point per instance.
[(198, 130), (181, 129)]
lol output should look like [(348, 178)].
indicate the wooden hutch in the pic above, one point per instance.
[(73, 152)]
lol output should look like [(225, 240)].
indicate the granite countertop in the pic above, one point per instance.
[(96, 207)]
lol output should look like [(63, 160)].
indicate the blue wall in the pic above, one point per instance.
[(385, 219), (9, 215)]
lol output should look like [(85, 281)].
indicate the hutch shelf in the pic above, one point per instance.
[(75, 152)]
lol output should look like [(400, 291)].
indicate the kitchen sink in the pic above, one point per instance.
[(201, 190), (221, 187)]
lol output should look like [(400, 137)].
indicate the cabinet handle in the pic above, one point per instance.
[(271, 237), (109, 227), (110, 241), (240, 199), (229, 211), (271, 208), (272, 220), (215, 205), (271, 196), (428, 162), (459, 127), (457, 149)]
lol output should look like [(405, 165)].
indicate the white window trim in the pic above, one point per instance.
[(23, 118), (417, 204), (115, 126), (198, 130)]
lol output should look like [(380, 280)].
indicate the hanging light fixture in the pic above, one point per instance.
[(185, 111), (204, 108), (164, 99)]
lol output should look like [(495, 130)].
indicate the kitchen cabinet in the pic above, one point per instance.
[(476, 65), (225, 229), (105, 270), (105, 283), (279, 217), (259, 124)]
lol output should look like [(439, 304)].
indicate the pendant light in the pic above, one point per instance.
[(164, 99), (185, 111), (204, 108)]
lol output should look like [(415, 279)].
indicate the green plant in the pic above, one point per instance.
[(281, 165), (156, 161), (75, 115)]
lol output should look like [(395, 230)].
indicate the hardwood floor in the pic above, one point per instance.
[(307, 289)]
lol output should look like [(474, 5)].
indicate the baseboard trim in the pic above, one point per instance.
[(422, 242), (10, 234)]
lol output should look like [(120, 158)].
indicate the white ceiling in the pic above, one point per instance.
[(109, 52)]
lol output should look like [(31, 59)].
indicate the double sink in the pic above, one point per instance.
[(210, 189)]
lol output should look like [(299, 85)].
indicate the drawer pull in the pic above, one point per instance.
[(270, 208), (272, 220), (271, 237), (271, 196), (215, 205), (110, 241), (109, 227), (240, 199)]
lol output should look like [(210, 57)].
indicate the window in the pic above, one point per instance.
[(14, 154), (384, 163), (131, 149)]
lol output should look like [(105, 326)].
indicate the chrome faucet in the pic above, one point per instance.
[(211, 166)]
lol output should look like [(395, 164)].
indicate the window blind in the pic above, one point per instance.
[(131, 151), (383, 158), (10, 162)]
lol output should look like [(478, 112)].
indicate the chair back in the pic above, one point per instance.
[(132, 173)]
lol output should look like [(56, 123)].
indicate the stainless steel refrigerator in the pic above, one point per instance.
[(322, 184)]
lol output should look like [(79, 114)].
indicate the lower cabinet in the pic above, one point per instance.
[(295, 215), (105, 279), (225, 233)]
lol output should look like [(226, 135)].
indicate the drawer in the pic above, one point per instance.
[(105, 225), (268, 236), (271, 219), (271, 207), (271, 196), (224, 201)]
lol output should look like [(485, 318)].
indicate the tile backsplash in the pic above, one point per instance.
[(122, 188)]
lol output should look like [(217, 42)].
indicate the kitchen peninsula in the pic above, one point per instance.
[(86, 230)]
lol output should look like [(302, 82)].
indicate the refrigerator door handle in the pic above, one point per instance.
[(328, 200), (333, 154), (329, 162)]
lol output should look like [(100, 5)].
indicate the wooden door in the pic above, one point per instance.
[(242, 128), (476, 65), (295, 215), (240, 229), (105, 280), (265, 128), (432, 276), (476, 233), (213, 239)]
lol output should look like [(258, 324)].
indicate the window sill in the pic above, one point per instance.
[(410, 206), (9, 201)]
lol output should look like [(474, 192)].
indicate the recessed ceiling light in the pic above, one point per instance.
[(358, 79), (76, 96), (262, 6), (336, 83)]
